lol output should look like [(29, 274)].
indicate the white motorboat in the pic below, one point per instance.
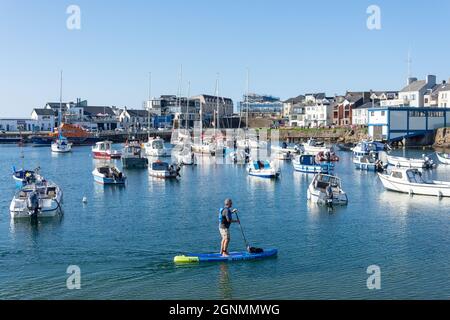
[(366, 157), (204, 148), (307, 163), (103, 150), (184, 155), (425, 162), (411, 181), (326, 189), (108, 175), (160, 169), (313, 146), (250, 143), (443, 158), (263, 169), (132, 156), (154, 147), (61, 145), (37, 200)]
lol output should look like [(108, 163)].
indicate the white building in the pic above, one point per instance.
[(413, 95), (443, 95), (18, 125), (319, 114), (134, 118), (209, 105), (45, 119), (360, 114)]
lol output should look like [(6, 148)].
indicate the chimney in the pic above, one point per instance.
[(431, 80), (410, 80)]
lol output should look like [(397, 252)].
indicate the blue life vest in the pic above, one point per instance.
[(221, 216)]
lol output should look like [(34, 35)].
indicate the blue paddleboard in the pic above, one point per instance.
[(217, 257)]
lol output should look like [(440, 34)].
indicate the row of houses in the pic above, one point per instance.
[(156, 113), (305, 110), (316, 110)]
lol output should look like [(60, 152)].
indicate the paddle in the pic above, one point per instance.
[(247, 246), (242, 230)]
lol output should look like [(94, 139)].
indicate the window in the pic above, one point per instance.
[(397, 174), (383, 113), (372, 113)]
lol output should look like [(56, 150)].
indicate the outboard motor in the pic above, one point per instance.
[(327, 156), (33, 204), (329, 196)]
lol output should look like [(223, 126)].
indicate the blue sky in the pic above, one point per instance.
[(290, 47)]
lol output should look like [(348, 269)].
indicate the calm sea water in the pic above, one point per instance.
[(124, 239)]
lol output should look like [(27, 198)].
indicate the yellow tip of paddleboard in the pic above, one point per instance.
[(184, 259)]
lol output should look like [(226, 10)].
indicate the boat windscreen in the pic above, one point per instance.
[(160, 166)]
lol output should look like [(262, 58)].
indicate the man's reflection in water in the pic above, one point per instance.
[(225, 287)]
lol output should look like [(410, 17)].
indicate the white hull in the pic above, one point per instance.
[(315, 150), (49, 207), (57, 148), (162, 174), (185, 159), (318, 196), (434, 188), (263, 172), (442, 159), (202, 148), (408, 162)]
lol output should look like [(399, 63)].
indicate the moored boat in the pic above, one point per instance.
[(306, 163), (108, 175), (326, 189), (425, 162), (61, 145), (37, 200), (132, 156), (366, 157), (411, 181), (23, 177), (263, 169), (103, 150), (154, 147), (184, 155), (443, 158), (313, 146), (160, 169)]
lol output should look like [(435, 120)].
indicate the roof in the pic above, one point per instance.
[(415, 86), (137, 112), (44, 112), (442, 87), (55, 105), (367, 105), (96, 110), (212, 97), (320, 95), (297, 99)]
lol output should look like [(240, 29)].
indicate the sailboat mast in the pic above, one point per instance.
[(149, 101), (217, 103), (60, 100), (246, 101), (187, 106)]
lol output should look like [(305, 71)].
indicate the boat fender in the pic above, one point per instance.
[(439, 194), (411, 193)]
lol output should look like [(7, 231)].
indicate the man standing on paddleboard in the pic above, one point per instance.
[(225, 219)]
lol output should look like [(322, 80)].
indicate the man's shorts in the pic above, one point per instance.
[(225, 233)]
